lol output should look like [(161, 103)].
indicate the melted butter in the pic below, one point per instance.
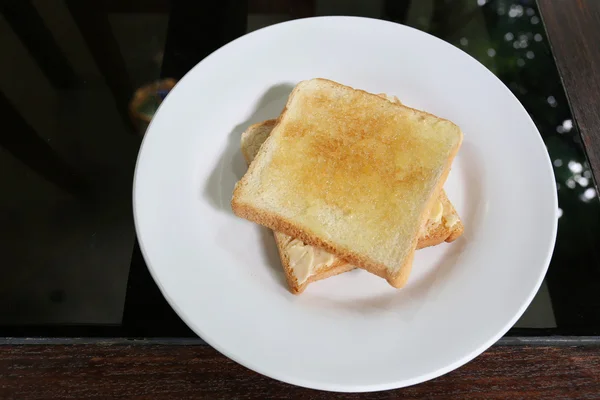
[(305, 259), (321, 258)]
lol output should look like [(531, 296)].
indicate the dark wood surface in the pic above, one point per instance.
[(146, 371), (573, 28)]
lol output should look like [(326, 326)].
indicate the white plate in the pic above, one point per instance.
[(352, 332)]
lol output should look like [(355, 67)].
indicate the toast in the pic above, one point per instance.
[(351, 173), (304, 264)]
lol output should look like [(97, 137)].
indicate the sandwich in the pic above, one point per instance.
[(352, 175)]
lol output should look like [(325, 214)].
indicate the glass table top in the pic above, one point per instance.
[(70, 264)]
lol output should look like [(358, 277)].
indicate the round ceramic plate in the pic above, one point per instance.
[(352, 332)]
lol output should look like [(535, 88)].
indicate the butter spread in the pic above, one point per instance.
[(436, 212), (306, 259), (451, 221)]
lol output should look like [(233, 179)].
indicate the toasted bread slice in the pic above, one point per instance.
[(304, 264), (351, 173)]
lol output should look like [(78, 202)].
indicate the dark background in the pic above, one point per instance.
[(69, 263)]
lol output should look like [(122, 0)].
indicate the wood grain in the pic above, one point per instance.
[(573, 31), (176, 372)]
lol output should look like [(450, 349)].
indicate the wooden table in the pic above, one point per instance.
[(177, 369), (154, 369)]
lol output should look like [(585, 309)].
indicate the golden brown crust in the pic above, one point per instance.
[(437, 235), (457, 231)]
